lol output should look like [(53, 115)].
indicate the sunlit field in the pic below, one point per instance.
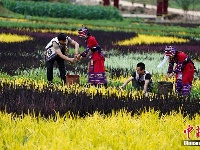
[(115, 131)]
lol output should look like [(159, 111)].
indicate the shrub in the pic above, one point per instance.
[(62, 10)]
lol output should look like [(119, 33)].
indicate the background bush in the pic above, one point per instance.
[(62, 10)]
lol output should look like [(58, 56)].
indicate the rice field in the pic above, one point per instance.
[(115, 131), (36, 116)]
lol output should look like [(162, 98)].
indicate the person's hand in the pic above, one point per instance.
[(180, 76), (75, 59), (121, 87), (145, 93), (72, 60), (169, 75), (75, 56), (78, 57)]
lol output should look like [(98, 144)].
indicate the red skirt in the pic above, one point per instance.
[(96, 69), (187, 73)]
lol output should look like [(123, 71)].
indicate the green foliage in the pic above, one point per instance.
[(61, 1), (61, 10), (184, 4), (195, 4), (192, 5)]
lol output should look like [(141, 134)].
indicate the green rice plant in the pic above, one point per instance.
[(130, 61), (39, 74), (127, 25)]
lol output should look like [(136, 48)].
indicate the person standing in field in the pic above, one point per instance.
[(141, 79), (183, 71), (96, 68), (56, 51)]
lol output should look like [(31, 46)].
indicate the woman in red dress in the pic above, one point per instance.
[(184, 70), (96, 68)]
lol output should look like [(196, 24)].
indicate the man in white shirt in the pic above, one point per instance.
[(55, 51)]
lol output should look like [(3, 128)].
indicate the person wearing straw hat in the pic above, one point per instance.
[(96, 68), (183, 71), (55, 51), (141, 79)]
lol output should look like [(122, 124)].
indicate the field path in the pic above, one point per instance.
[(126, 3)]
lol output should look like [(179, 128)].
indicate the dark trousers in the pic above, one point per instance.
[(61, 67), (136, 85), (139, 86)]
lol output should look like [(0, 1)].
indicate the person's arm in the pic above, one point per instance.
[(170, 72), (171, 66), (58, 51), (126, 82), (76, 46), (83, 54), (146, 86), (178, 69)]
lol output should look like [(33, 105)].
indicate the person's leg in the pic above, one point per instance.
[(186, 89), (61, 67), (178, 86), (49, 65), (91, 75)]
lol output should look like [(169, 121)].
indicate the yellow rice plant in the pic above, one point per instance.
[(20, 81), (9, 38), (14, 19), (56, 31), (155, 77), (75, 88), (151, 39), (115, 132), (90, 90)]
